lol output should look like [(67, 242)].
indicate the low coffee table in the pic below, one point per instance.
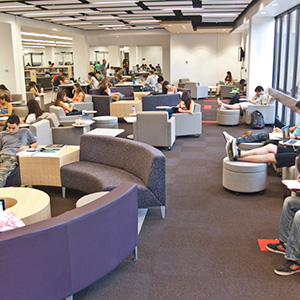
[(89, 198), (106, 131), (30, 205)]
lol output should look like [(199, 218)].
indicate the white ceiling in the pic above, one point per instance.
[(120, 15)]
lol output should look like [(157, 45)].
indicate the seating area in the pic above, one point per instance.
[(65, 247)]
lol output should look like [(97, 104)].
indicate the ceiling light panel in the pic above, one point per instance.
[(53, 2)]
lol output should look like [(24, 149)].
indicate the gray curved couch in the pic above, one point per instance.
[(58, 257), (106, 162)]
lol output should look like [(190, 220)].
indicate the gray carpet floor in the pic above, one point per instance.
[(206, 248)]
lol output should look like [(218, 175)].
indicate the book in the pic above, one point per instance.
[(293, 185), (55, 146)]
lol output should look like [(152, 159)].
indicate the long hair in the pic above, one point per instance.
[(229, 76), (5, 97), (34, 108), (59, 97), (164, 87), (187, 99), (78, 86), (103, 82)]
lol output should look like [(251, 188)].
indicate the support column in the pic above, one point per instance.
[(81, 57), (49, 55), (260, 59), (12, 68), (114, 57), (133, 56)]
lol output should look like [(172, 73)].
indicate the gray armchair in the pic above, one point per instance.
[(154, 128), (182, 82), (268, 112), (197, 91), (189, 124), (86, 105), (226, 91), (47, 131)]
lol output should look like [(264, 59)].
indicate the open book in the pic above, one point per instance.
[(293, 185)]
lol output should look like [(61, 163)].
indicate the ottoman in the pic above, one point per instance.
[(105, 122), (228, 117), (244, 177)]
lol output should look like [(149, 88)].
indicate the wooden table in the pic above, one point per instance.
[(45, 170), (30, 205), (123, 108)]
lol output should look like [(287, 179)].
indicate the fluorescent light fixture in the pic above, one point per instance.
[(275, 4), (47, 35), (100, 17), (79, 23), (64, 19), (114, 2), (37, 41), (80, 12), (183, 8), (16, 6), (41, 14), (104, 26), (143, 21), (42, 47)]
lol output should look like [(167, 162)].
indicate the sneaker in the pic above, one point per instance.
[(289, 268), (234, 149), (228, 150), (227, 136), (277, 248)]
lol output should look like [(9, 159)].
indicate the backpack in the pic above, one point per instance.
[(257, 120)]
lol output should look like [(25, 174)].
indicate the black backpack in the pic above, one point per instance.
[(257, 120)]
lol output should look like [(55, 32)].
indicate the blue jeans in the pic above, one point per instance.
[(255, 137), (289, 229)]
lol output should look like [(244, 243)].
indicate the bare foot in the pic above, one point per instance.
[(219, 103)]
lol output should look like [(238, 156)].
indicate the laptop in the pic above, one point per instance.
[(292, 142)]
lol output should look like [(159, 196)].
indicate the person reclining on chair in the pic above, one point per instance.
[(270, 153)]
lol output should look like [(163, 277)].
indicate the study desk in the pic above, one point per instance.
[(45, 170)]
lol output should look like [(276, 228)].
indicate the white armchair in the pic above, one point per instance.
[(268, 112), (189, 123), (197, 91), (48, 132), (154, 128), (86, 105)]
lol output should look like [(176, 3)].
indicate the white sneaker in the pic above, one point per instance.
[(227, 136)]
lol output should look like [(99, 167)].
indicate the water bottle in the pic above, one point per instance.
[(133, 110), (79, 79), (133, 81)]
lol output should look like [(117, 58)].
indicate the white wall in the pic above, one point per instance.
[(205, 58), (152, 55)]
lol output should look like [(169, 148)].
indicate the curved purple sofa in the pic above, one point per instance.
[(58, 257), (106, 162)]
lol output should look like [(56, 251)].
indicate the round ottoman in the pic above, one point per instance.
[(228, 117), (244, 177), (106, 122)]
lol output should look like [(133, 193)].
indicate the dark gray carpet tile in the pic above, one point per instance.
[(168, 287), (119, 285), (188, 218), (193, 202)]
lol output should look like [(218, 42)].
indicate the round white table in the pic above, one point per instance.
[(89, 198)]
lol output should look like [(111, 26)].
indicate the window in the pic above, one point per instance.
[(286, 70), (286, 66)]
